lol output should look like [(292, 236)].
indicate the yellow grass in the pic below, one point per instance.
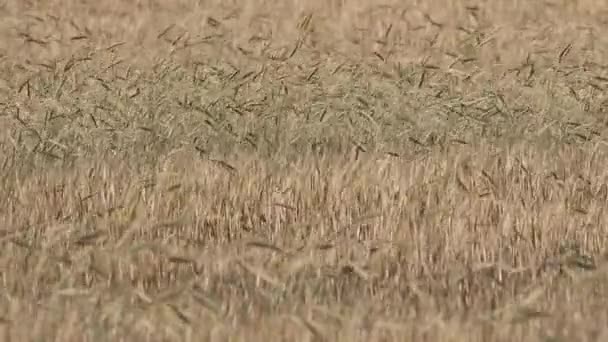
[(340, 170)]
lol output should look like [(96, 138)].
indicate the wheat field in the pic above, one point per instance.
[(341, 170)]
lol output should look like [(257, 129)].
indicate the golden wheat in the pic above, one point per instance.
[(309, 170)]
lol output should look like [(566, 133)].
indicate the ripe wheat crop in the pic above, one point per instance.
[(303, 170)]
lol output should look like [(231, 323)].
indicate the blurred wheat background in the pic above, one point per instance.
[(340, 170)]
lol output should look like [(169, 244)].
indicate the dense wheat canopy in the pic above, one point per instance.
[(339, 170)]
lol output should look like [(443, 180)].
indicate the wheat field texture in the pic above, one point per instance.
[(339, 170)]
